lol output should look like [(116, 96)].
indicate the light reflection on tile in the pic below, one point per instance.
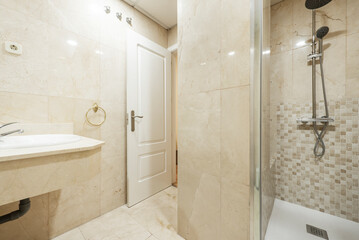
[(155, 218)]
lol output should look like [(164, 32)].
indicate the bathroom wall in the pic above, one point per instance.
[(330, 184), (172, 36), (213, 119), (74, 54)]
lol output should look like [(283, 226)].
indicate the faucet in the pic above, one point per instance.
[(10, 132)]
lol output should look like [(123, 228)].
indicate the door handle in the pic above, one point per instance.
[(133, 117)]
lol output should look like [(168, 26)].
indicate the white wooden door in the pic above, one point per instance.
[(149, 118)]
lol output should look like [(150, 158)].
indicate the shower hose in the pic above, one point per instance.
[(319, 134)]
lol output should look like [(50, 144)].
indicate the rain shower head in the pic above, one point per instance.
[(321, 32), (315, 4)]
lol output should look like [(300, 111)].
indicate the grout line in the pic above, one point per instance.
[(48, 96), (81, 232)]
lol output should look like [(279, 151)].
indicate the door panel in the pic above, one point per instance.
[(151, 77), (152, 165), (149, 139)]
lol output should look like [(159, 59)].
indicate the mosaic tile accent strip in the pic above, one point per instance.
[(329, 184)]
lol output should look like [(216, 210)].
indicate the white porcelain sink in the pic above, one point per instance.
[(30, 141)]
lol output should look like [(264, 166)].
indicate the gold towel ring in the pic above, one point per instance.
[(95, 108)]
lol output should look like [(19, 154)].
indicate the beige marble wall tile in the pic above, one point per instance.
[(213, 116), (35, 176), (235, 43), (352, 70), (281, 82), (113, 183), (44, 128), (26, 73), (198, 205), (73, 110), (235, 125), (40, 128), (334, 68), (204, 221), (302, 76), (189, 180), (74, 65), (113, 76), (113, 131), (33, 225), (234, 210), (281, 26), (199, 77), (302, 24), (352, 18), (201, 58), (332, 15), (113, 168), (73, 206), (34, 8), (113, 31), (172, 36), (202, 44), (199, 125), (23, 108), (80, 17)]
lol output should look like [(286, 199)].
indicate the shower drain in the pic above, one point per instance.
[(317, 232)]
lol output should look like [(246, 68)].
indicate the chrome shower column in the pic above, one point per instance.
[(314, 87)]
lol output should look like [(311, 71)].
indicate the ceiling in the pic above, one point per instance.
[(164, 12)]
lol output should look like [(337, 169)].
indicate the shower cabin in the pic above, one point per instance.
[(305, 170)]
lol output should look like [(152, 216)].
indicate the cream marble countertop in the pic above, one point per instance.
[(83, 144)]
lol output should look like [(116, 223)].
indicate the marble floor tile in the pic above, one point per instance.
[(158, 214), (116, 224), (152, 238), (74, 234), (153, 219)]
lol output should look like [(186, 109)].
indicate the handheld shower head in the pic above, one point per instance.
[(322, 32), (315, 4)]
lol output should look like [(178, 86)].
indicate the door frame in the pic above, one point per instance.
[(174, 104)]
